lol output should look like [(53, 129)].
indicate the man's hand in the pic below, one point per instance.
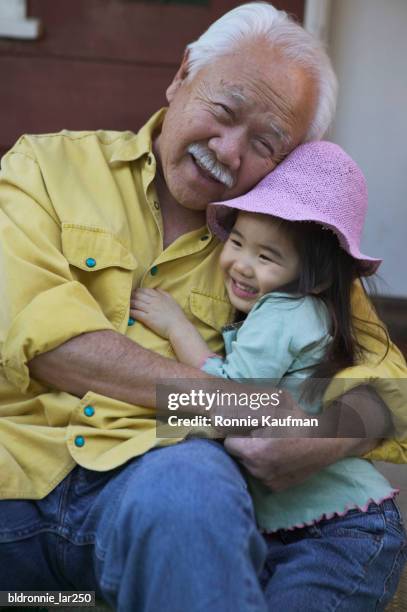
[(158, 311), (281, 463)]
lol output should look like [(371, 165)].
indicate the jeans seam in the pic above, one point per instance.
[(100, 553), (245, 528), (395, 566), (63, 530), (397, 527), (365, 568), (19, 536), (357, 586)]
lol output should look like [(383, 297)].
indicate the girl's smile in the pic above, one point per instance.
[(242, 290), (257, 258)]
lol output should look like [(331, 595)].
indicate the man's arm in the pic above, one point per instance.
[(130, 374), (279, 463), (110, 364), (115, 366), (384, 368), (42, 304)]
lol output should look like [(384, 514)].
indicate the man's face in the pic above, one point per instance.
[(231, 124)]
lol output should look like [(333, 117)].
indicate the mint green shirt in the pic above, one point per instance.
[(283, 338)]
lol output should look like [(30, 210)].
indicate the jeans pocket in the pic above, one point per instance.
[(356, 524), (393, 579), (19, 519), (393, 518), (22, 518)]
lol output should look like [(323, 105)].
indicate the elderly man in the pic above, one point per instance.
[(92, 498)]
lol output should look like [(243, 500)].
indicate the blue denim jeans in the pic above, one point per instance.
[(350, 563), (174, 531), (171, 531)]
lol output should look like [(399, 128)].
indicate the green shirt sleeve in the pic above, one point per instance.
[(275, 333)]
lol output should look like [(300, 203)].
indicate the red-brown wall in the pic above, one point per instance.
[(99, 63)]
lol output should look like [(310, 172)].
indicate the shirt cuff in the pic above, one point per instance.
[(50, 319), (391, 387), (392, 451)]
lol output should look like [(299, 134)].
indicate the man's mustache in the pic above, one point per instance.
[(208, 161)]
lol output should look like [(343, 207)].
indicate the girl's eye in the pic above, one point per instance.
[(235, 242), (265, 258)]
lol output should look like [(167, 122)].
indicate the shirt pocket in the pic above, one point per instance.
[(210, 314), (99, 261)]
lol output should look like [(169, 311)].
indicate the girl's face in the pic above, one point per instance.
[(257, 258)]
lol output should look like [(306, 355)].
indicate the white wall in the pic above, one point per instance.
[(368, 46)]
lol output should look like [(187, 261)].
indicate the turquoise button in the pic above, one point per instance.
[(154, 270), (131, 321), (89, 411), (90, 262), (79, 441)]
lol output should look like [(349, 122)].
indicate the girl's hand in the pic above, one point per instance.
[(158, 311)]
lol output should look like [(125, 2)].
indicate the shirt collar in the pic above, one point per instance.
[(139, 144)]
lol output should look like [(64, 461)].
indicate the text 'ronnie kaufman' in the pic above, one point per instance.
[(247, 421)]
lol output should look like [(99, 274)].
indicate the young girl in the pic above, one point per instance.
[(290, 259)]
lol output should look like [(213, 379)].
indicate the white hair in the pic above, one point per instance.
[(262, 20)]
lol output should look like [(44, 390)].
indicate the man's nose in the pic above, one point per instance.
[(229, 147)]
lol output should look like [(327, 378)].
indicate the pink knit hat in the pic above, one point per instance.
[(317, 182)]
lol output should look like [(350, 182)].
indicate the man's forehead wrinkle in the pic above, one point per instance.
[(203, 88), (275, 105), (278, 100), (204, 92)]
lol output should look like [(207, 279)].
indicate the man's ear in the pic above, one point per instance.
[(179, 78)]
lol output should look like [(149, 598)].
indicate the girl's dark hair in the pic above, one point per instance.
[(328, 272)]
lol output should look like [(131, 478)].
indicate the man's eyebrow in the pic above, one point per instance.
[(281, 134), (237, 96)]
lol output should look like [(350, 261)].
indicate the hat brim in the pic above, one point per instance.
[(220, 220)]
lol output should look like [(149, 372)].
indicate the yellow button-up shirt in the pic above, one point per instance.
[(80, 226)]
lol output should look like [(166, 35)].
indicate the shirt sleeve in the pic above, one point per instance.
[(42, 306), (264, 347), (384, 368)]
